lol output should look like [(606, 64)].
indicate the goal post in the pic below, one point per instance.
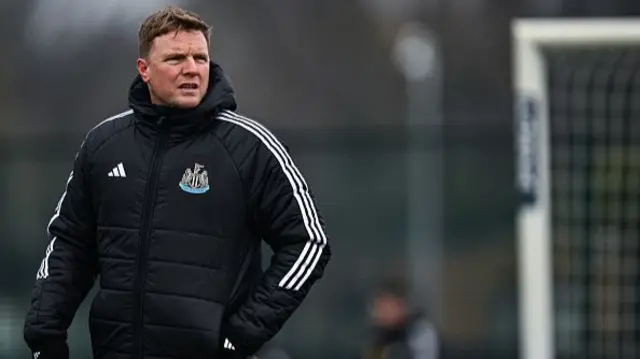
[(531, 38)]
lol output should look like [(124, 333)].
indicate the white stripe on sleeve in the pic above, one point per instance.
[(43, 272), (312, 251)]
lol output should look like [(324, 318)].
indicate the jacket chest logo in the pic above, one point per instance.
[(195, 181)]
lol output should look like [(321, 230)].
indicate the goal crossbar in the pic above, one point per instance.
[(577, 32)]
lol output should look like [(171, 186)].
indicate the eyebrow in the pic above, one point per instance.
[(177, 53)]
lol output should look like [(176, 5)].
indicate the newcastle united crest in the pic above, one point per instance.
[(195, 181)]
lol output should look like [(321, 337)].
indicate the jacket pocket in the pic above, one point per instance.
[(239, 286)]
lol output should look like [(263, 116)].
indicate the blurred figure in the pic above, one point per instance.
[(399, 331)]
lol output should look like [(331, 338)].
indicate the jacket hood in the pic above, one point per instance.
[(219, 97)]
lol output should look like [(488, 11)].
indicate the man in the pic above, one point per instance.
[(168, 203), (398, 331)]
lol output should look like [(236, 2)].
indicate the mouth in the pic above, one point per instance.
[(188, 86)]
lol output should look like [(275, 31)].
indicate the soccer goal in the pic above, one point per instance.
[(577, 90)]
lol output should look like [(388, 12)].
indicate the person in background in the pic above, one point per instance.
[(399, 331)]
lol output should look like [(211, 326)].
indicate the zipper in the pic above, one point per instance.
[(145, 234)]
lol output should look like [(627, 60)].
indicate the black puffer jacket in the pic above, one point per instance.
[(169, 208)]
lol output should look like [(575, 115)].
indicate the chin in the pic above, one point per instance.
[(187, 103)]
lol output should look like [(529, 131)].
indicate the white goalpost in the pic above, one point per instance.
[(531, 38)]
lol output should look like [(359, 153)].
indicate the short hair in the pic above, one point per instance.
[(169, 19), (394, 285)]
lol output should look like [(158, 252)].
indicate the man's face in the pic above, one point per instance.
[(388, 311), (177, 69)]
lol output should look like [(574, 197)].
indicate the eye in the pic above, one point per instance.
[(174, 59), (201, 58)]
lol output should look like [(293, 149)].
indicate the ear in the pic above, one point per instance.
[(143, 69)]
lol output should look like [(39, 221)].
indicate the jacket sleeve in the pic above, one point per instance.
[(68, 269), (287, 218)]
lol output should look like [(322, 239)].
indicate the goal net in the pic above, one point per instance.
[(577, 84)]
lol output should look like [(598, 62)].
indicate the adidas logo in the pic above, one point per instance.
[(117, 171), (228, 345)]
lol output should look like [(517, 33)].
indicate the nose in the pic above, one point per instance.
[(189, 66)]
